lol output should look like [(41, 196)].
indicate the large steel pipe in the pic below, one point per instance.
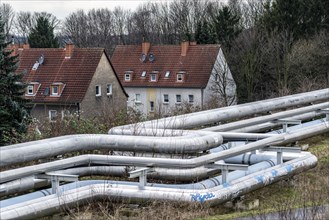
[(50, 204), (267, 118), (232, 112), (163, 162), (55, 146)]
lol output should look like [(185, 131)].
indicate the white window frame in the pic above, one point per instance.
[(152, 106), (164, 100), (30, 87), (153, 77), (50, 115), (109, 89), (138, 98), (99, 93), (127, 77), (180, 77), (180, 99), (191, 98), (53, 90)]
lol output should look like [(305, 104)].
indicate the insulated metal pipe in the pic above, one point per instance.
[(55, 146), (231, 112), (263, 119), (270, 125), (163, 162), (50, 204)]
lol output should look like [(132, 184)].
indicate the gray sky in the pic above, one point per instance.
[(62, 8)]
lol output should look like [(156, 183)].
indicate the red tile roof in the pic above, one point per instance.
[(198, 64), (76, 73)]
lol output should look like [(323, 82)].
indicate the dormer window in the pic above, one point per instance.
[(180, 76), (128, 76), (32, 89), (56, 89), (154, 76)]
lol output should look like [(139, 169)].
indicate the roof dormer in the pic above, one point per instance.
[(56, 89), (32, 88), (154, 76), (128, 76), (180, 76)]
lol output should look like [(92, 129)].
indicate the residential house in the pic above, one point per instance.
[(161, 78), (70, 80)]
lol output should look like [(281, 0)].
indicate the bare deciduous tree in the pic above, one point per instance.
[(7, 14)]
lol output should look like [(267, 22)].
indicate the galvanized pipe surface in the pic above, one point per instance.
[(197, 119), (50, 204), (55, 146), (262, 119), (270, 125), (163, 162)]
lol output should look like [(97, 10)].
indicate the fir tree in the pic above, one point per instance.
[(227, 26), (204, 33), (13, 115), (42, 35)]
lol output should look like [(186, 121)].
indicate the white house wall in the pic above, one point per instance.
[(156, 95), (220, 67)]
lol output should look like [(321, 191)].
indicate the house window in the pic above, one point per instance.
[(153, 77), (167, 74), (52, 115), (180, 77), (217, 78), (98, 90), (190, 98), (138, 98), (144, 73), (178, 98), (54, 90), (30, 89), (165, 98), (151, 106), (127, 77), (109, 89)]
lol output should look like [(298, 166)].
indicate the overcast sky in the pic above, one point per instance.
[(62, 8)]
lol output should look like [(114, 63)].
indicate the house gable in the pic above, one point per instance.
[(104, 91)]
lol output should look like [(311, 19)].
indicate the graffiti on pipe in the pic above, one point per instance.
[(201, 197)]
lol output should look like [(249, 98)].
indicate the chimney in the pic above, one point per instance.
[(146, 47), (68, 50), (184, 48), (13, 48), (26, 46)]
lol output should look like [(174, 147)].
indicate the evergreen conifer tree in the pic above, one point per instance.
[(42, 35), (227, 26), (13, 115)]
